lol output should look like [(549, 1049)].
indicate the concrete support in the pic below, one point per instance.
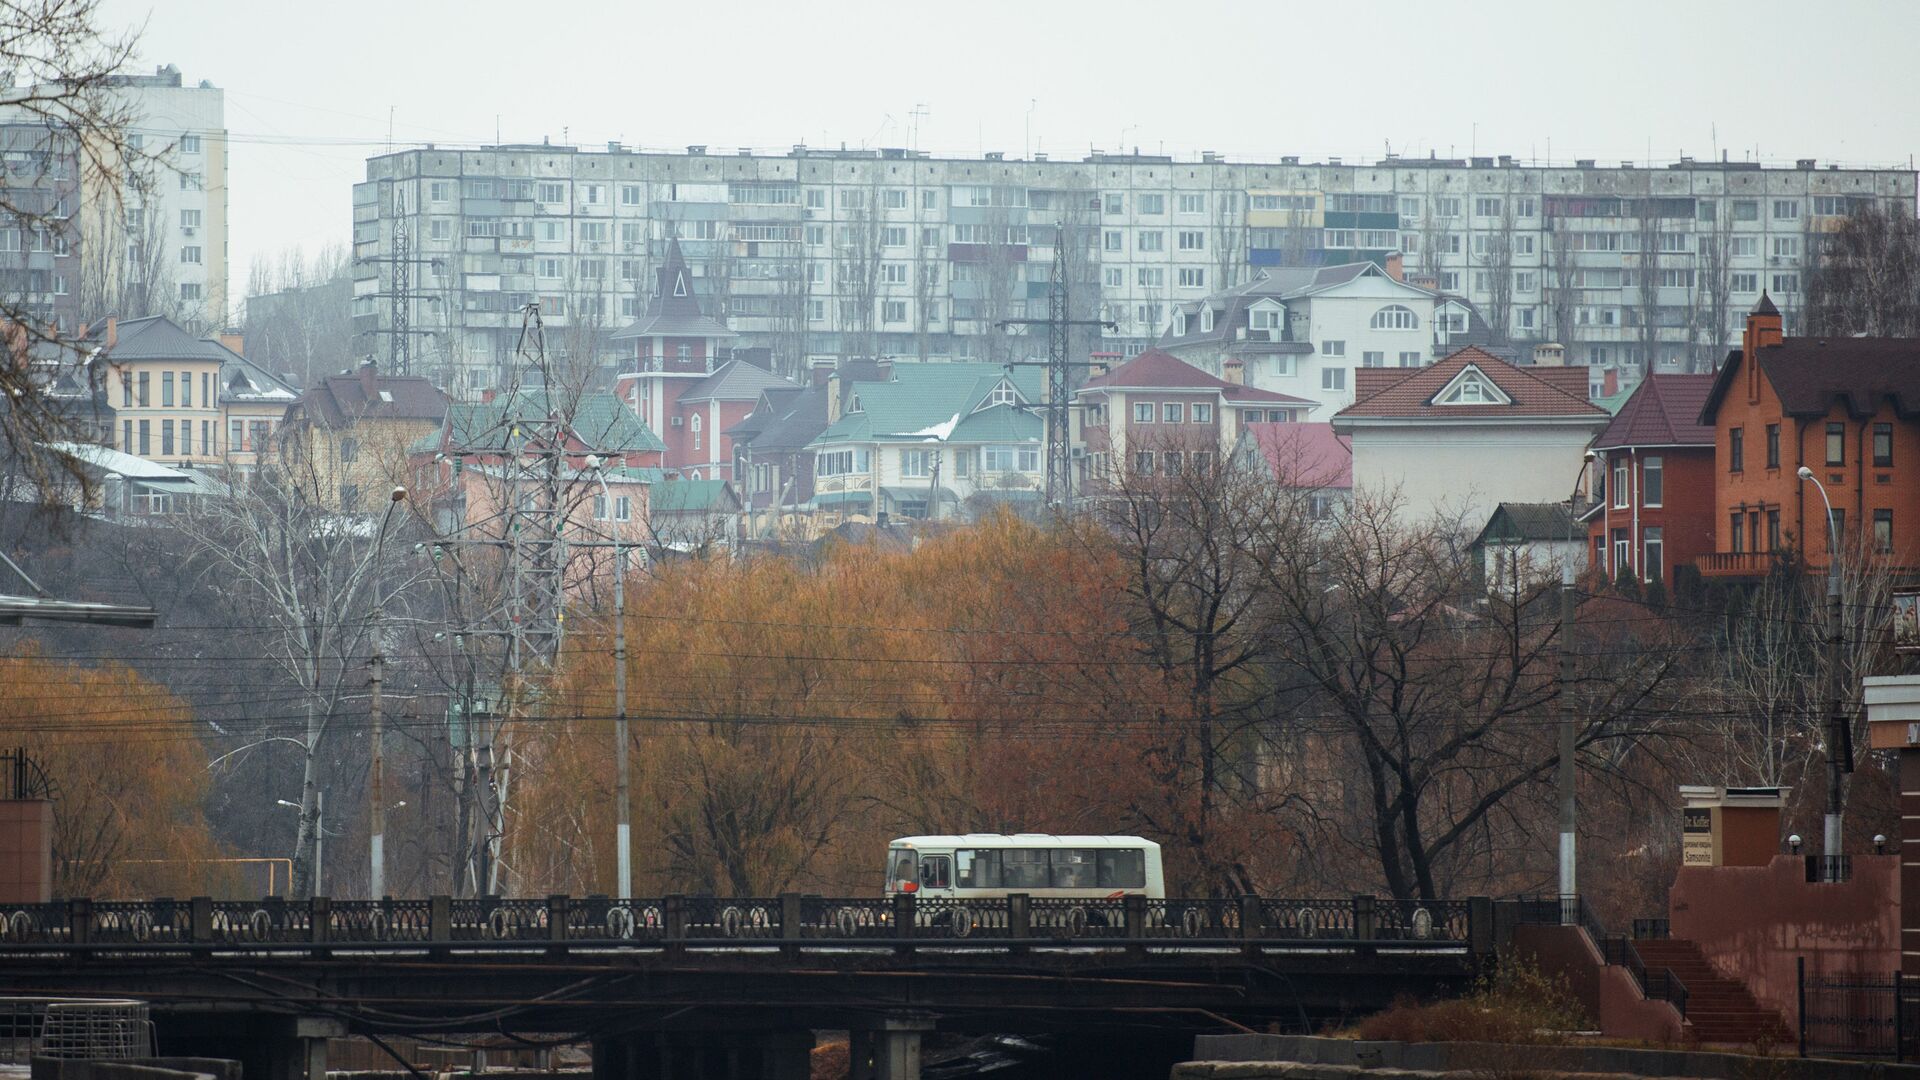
[(268, 1047), (888, 1049)]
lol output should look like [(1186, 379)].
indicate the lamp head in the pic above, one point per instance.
[(1592, 456), (593, 462), (1805, 473), (399, 493)]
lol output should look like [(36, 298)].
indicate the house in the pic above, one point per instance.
[(1524, 545), (693, 515), (1848, 409), (125, 487), (487, 463), (929, 440), (1653, 477), (346, 439), (1303, 330), (253, 403), (1468, 433), (675, 346), (698, 444), (1309, 457), (163, 387), (1157, 413)]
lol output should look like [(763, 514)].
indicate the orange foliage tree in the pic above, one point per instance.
[(130, 779)]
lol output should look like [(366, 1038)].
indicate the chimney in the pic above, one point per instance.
[(113, 331), (369, 379), (233, 341), (836, 389), (1610, 382), (1234, 370), (1549, 354), (819, 370), (1763, 329), (884, 365), (1396, 266)]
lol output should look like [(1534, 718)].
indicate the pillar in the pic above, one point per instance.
[(1909, 848), (886, 1049)]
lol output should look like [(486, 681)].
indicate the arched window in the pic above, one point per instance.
[(695, 425), (1395, 317), (1206, 320), (1179, 324)]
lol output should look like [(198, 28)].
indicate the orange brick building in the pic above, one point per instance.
[(1847, 408), (1654, 480)]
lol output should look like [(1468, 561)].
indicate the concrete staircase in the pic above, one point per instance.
[(1719, 1009)]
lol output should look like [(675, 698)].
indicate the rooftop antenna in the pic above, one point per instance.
[(917, 114)]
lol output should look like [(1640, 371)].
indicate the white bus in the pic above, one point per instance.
[(1039, 864)]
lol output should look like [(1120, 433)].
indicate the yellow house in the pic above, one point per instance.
[(345, 440), (253, 404), (163, 385)]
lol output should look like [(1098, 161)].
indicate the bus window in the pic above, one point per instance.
[(1124, 868), (1073, 868), (1023, 869), (979, 868), (933, 872), (904, 871)]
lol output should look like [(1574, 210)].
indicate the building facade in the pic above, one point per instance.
[(1454, 440), (892, 253), (1653, 477), (346, 441), (1840, 407), (1157, 414)]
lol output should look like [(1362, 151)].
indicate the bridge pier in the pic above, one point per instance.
[(704, 1055), (268, 1047), (887, 1049)]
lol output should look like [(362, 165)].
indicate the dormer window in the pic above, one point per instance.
[(1265, 317), (1471, 387), (1003, 394), (1395, 317), (1206, 320), (853, 403), (680, 284), (1179, 324)]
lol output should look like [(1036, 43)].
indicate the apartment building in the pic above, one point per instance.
[(892, 253)]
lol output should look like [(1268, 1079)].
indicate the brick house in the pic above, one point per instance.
[(676, 346), (1847, 408), (1156, 411), (1653, 480)]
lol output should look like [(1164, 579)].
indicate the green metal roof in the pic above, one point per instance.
[(601, 421), (688, 496), (936, 402), (837, 498)]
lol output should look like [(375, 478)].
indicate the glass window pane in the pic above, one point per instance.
[(1073, 868), (1023, 870), (1123, 869)]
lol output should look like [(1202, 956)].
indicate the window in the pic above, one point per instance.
[(893, 273), (1883, 531), (1395, 317), (1264, 318), (1143, 463), (1202, 412), (146, 437), (1620, 488), (1836, 443), (1113, 240), (166, 389), (893, 311), (189, 181), (1652, 485), (1151, 204), (551, 192), (1409, 359), (629, 194), (1193, 277), (1745, 283), (1446, 206), (1786, 247), (622, 508), (1786, 284), (1171, 461), (1773, 529), (1838, 531), (1786, 209), (1653, 545), (1151, 277), (1193, 204), (1333, 378), (166, 438), (1744, 247), (1623, 549), (1143, 412), (1333, 348), (349, 451), (190, 254), (1173, 412), (894, 236), (916, 463), (549, 268), (929, 200), (142, 381), (896, 198), (440, 191), (840, 462), (1883, 446), (595, 193), (1773, 446), (1192, 240), (1371, 358), (998, 458), (1736, 450), (1746, 210), (1150, 240), (593, 232), (186, 389), (440, 229), (816, 198)]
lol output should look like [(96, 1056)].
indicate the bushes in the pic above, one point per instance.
[(1513, 1004)]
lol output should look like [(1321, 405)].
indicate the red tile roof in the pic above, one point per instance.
[(1407, 393), (1305, 455), (1664, 410), (1159, 370), (1811, 374)]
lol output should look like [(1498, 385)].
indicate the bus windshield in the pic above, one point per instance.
[(903, 870)]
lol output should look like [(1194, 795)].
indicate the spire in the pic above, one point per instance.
[(1765, 306), (673, 288)]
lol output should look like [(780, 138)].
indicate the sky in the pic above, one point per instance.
[(313, 89)]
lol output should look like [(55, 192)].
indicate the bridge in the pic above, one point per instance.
[(681, 986)]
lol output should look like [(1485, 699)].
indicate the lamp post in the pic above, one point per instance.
[(1567, 775), (319, 833), (377, 831), (623, 839), (1838, 763)]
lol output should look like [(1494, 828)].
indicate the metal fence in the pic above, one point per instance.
[(1859, 1016), (73, 1028), (444, 921)]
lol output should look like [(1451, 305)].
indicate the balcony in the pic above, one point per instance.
[(1739, 564)]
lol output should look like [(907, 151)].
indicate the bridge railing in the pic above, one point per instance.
[(445, 922)]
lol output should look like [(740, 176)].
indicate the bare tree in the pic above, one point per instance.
[(1496, 261), (1712, 294), (1647, 280), (1559, 278), (1229, 232), (1866, 279), (857, 262), (299, 318)]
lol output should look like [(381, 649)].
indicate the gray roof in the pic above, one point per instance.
[(157, 338), (1512, 522), (1278, 283), (735, 380), (674, 308), (242, 380)]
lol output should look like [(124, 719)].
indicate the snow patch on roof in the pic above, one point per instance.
[(937, 433)]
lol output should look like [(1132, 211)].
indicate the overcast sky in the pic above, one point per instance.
[(310, 86)]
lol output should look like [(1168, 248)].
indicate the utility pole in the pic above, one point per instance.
[(1057, 322), (623, 838), (1839, 730), (1568, 774), (377, 816), (399, 294)]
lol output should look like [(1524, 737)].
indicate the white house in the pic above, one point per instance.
[(1468, 433), (1304, 330), (1525, 545)]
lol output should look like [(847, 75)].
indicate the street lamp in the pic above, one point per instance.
[(377, 834), (1567, 775), (623, 839), (1837, 735)]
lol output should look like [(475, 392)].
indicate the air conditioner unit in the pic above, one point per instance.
[(677, 421), (188, 230)]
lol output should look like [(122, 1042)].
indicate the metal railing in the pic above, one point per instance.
[(322, 923), (1858, 1016), (1829, 869), (98, 1030), (1615, 949)]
